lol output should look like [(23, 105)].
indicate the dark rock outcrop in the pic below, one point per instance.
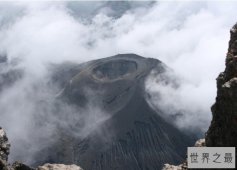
[(223, 128), (134, 136)]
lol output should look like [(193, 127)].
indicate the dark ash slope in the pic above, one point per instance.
[(133, 137)]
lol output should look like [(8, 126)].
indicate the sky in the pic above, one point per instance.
[(191, 38)]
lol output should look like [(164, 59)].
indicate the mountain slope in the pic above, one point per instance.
[(132, 136)]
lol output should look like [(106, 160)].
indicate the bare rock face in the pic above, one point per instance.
[(223, 128), (58, 167), (172, 167), (200, 143)]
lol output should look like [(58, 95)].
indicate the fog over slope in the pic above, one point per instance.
[(190, 38)]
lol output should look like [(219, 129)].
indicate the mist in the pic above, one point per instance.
[(191, 38)]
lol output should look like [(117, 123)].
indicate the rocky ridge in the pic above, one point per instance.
[(223, 128)]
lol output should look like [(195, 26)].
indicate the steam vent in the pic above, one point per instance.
[(133, 136)]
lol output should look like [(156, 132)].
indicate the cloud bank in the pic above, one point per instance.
[(190, 37)]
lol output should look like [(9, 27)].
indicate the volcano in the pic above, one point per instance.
[(133, 136)]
